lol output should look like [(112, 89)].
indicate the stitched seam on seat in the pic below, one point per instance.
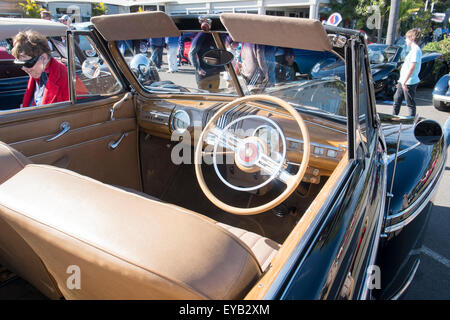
[(242, 267), (14, 156), (50, 276), (240, 241), (188, 288)]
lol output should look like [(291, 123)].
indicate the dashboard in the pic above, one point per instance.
[(182, 119)]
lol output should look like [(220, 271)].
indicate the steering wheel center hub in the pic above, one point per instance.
[(249, 152)]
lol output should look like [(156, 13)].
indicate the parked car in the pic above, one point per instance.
[(200, 188), (385, 63), (441, 93), (13, 81)]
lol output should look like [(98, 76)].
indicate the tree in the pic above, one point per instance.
[(347, 9), (31, 9), (372, 13), (99, 9), (407, 8), (440, 5)]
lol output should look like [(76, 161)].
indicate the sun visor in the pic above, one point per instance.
[(130, 26), (288, 32), (10, 27)]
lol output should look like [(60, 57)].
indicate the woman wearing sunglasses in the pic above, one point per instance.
[(48, 81)]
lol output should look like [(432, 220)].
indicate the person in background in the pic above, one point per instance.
[(172, 49), (48, 81), (269, 54), (254, 68), (409, 74), (46, 15), (207, 76), (185, 37), (65, 19), (285, 70), (157, 46)]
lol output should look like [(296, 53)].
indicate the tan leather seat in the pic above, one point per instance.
[(126, 246), (15, 253)]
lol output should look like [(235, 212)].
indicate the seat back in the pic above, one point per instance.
[(101, 242), (15, 253)]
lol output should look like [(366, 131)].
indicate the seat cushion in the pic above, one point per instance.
[(11, 162), (15, 253), (263, 248), (126, 246)]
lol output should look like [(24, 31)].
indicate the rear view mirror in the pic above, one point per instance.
[(428, 132), (217, 57)]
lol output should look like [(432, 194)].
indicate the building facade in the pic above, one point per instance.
[(81, 10)]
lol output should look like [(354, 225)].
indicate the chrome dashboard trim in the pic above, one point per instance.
[(314, 144)]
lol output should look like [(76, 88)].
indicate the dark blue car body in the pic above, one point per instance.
[(441, 93)]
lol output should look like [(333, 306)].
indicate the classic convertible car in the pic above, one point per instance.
[(206, 186)]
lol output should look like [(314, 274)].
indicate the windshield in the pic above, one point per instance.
[(381, 53), (177, 65)]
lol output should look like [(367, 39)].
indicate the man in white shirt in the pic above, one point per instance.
[(409, 73)]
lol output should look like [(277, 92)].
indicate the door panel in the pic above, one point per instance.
[(94, 159), (84, 148)]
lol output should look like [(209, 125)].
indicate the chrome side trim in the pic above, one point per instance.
[(376, 238), (391, 157), (408, 282), (422, 200), (441, 97)]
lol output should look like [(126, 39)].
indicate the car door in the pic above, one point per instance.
[(95, 133), (344, 246)]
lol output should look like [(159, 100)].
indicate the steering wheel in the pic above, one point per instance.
[(251, 154)]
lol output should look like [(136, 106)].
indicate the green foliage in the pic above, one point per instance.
[(442, 46), (31, 9), (440, 5), (413, 15), (346, 8), (98, 9)]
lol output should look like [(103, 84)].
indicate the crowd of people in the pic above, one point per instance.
[(259, 65)]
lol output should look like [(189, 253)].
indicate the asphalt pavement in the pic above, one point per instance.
[(432, 280)]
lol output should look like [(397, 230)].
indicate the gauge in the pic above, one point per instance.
[(269, 135), (180, 121)]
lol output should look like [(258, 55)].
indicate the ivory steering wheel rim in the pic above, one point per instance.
[(291, 184)]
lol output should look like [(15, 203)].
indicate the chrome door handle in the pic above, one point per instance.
[(114, 144), (64, 127)]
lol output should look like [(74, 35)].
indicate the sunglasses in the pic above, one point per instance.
[(28, 63)]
